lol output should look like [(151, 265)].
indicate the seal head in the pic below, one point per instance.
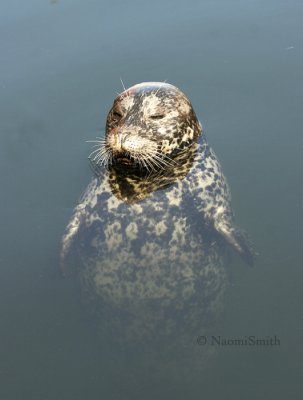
[(148, 125)]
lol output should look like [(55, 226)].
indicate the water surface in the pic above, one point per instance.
[(241, 64)]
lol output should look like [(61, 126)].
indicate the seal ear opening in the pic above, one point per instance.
[(238, 239)]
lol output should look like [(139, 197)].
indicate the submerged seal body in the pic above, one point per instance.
[(150, 232)]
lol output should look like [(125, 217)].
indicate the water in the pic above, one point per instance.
[(240, 62)]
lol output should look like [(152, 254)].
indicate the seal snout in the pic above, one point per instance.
[(116, 142), (121, 141)]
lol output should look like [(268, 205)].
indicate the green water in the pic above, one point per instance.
[(241, 64)]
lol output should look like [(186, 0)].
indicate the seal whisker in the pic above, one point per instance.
[(125, 91), (106, 160), (153, 162), (162, 158), (102, 160), (164, 162), (99, 139), (145, 157), (100, 149), (146, 162), (103, 156), (104, 152), (96, 141), (153, 158), (99, 156), (93, 152), (137, 158), (150, 165)]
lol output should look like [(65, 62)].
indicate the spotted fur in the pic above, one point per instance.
[(151, 241)]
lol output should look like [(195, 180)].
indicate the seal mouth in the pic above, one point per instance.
[(124, 158)]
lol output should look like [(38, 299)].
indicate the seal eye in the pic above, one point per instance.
[(157, 116)]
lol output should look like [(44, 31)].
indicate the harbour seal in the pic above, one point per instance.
[(150, 233)]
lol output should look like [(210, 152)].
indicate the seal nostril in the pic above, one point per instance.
[(117, 114)]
